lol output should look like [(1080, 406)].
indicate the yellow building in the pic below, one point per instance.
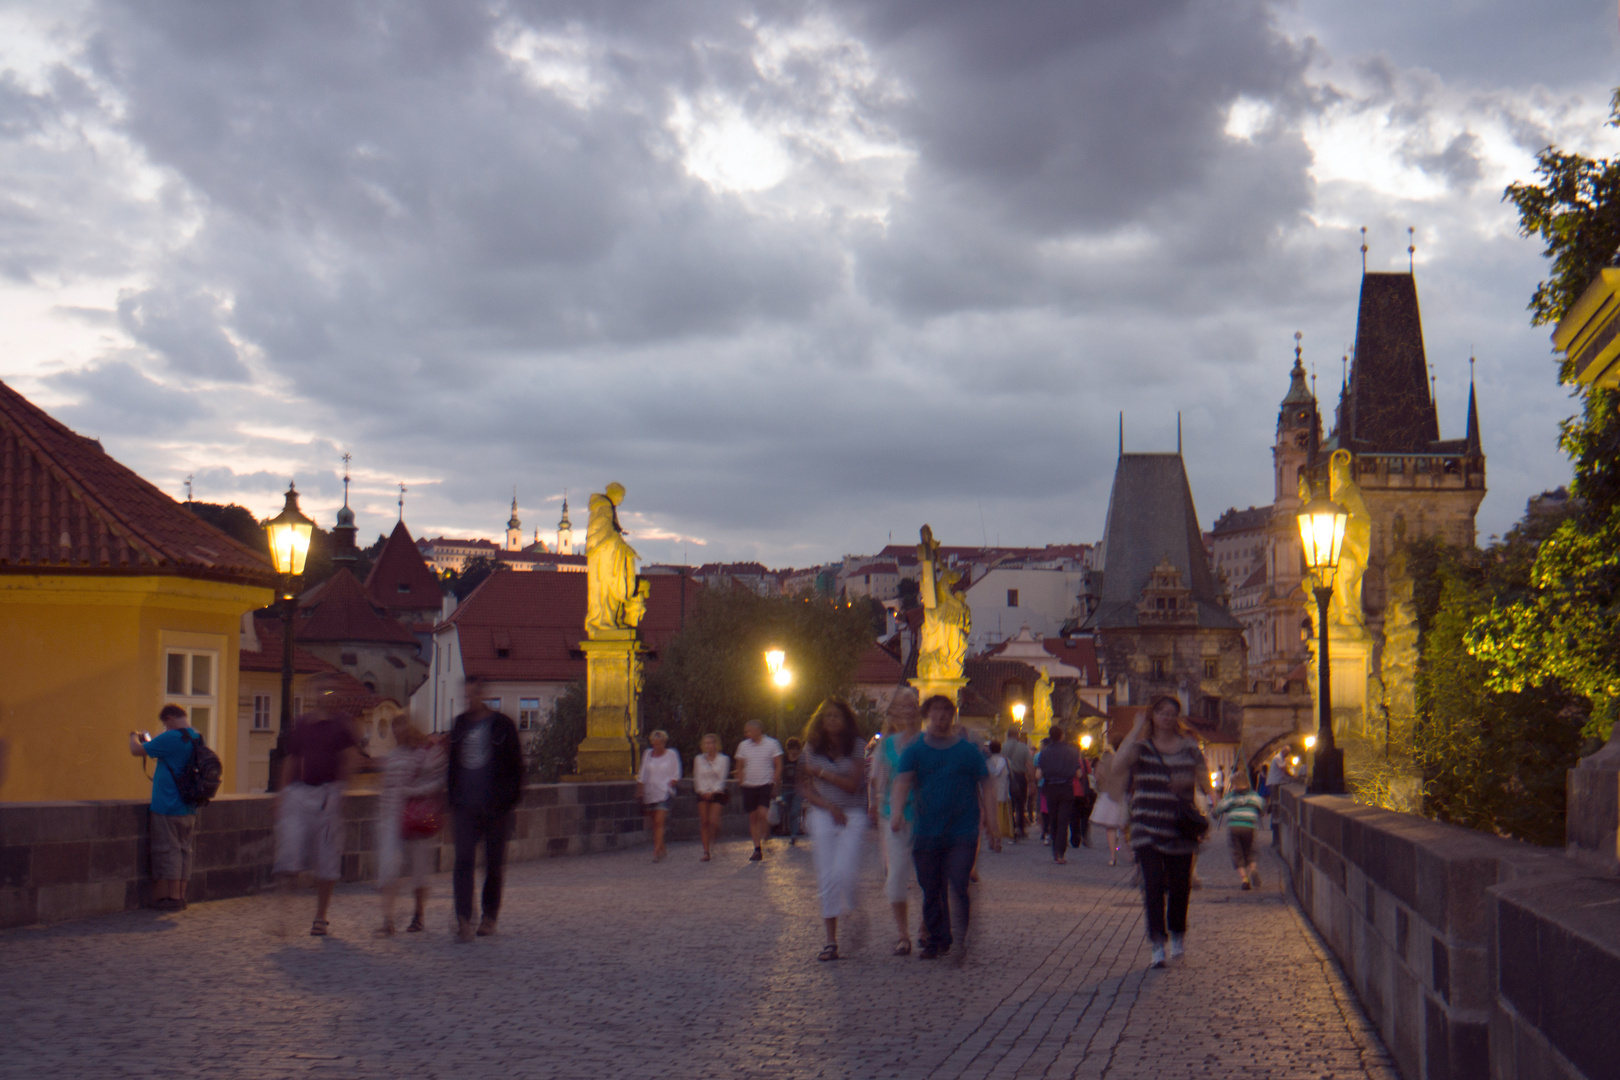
[(114, 601)]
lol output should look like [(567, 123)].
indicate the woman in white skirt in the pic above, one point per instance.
[(832, 779), (1112, 811), (414, 769), (904, 725)]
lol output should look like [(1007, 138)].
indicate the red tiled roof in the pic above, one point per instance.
[(66, 507), (986, 678), (267, 624), (339, 610), (878, 667), (539, 619), (1256, 579), (400, 563), (1079, 652)]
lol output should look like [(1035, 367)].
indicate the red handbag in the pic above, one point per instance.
[(424, 817)]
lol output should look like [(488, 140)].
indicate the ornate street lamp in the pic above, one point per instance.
[(1321, 528), (289, 533), (782, 678)]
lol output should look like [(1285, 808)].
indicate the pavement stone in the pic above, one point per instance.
[(613, 966)]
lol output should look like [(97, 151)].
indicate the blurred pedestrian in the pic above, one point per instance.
[(1241, 809), (1001, 778), (758, 766), (1085, 794), (1165, 767), (709, 771), (832, 780), (790, 805), (655, 787), (901, 730), (1020, 766), (1056, 766), (954, 803), (323, 751), (1111, 811), (410, 813), (485, 780), (172, 822)]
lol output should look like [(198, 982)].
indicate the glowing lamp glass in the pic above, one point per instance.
[(782, 677), (1310, 742), (1018, 711), (1085, 742), (1321, 530), (774, 659), (289, 533)]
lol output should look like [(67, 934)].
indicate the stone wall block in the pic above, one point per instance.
[(113, 859), (1471, 986), (57, 864), (15, 868), (18, 905), (119, 819), (1407, 1044), (80, 899)]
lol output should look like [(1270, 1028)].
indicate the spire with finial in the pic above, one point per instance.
[(1411, 249), (514, 527), (1473, 446), (188, 487), (1298, 392), (1178, 432), (345, 516), (347, 457), (402, 490), (1364, 249), (344, 551), (1122, 433), (565, 530)]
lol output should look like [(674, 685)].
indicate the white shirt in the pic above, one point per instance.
[(658, 775), (709, 777), (758, 761)]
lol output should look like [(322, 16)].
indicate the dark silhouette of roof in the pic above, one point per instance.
[(66, 507), (528, 626), (1235, 520), (400, 579), (1388, 407), (1151, 517), (879, 666), (267, 625), (339, 610)]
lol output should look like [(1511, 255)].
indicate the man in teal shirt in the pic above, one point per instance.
[(173, 821), (953, 798)]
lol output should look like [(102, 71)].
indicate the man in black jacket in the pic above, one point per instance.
[(485, 782), (1056, 766)]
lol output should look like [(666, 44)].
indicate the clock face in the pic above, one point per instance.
[(1302, 440)]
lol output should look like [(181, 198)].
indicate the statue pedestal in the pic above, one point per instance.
[(927, 688), (612, 683), (1349, 664)]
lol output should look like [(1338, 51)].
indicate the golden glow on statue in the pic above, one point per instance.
[(946, 618), (616, 599), (1043, 706)]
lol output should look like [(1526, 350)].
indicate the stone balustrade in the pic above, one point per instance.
[(69, 860)]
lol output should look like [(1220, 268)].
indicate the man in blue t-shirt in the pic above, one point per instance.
[(173, 822), (953, 798)]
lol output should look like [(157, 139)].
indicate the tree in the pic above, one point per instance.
[(1565, 632), (473, 572), (553, 751), (711, 675)]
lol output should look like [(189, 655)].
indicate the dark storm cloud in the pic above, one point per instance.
[(479, 245)]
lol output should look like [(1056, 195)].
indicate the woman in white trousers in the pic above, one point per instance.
[(832, 780)]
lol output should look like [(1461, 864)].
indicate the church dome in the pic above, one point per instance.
[(345, 518)]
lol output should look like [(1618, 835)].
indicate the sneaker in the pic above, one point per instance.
[(1245, 885), (756, 856), (1158, 956), (1178, 946)]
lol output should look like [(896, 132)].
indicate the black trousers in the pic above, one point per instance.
[(471, 826), (1080, 822), (1018, 790), (1060, 810), (1166, 887), (943, 875)]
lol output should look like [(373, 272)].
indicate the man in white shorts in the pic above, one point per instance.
[(322, 753), (758, 771)]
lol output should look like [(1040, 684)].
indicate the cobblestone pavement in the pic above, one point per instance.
[(613, 966)]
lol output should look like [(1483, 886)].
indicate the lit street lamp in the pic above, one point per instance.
[(782, 678), (1321, 528), (1018, 710), (289, 533)]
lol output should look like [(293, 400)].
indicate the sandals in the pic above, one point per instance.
[(416, 926), (829, 952), (319, 928), (902, 948)]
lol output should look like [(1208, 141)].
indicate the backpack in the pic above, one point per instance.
[(199, 778)]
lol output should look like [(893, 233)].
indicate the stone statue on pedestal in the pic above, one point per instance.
[(1041, 707), (946, 618), (616, 599)]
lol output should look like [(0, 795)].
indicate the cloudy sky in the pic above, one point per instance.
[(798, 275)]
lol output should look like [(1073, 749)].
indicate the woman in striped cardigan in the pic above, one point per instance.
[(1165, 766)]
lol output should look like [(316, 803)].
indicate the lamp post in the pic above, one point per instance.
[(1321, 528), (781, 678), (289, 533)]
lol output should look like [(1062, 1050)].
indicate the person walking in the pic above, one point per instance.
[(1111, 811), (709, 771), (1056, 766), (485, 780), (832, 780), (954, 802), (322, 753), (655, 787), (902, 727), (789, 803), (1241, 809), (1165, 767), (758, 765), (172, 822), (1020, 764), (412, 802), (1085, 794), (1001, 778)]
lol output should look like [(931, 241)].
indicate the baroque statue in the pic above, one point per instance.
[(616, 597), (1042, 705), (946, 619)]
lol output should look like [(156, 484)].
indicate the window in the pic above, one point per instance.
[(1212, 667), (528, 714), (1212, 709), (189, 683), (1012, 597), (404, 587), (1160, 666), (503, 654), (493, 704), (261, 712)]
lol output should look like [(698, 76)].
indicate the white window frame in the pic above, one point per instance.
[(261, 712), (189, 698), (529, 717)]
